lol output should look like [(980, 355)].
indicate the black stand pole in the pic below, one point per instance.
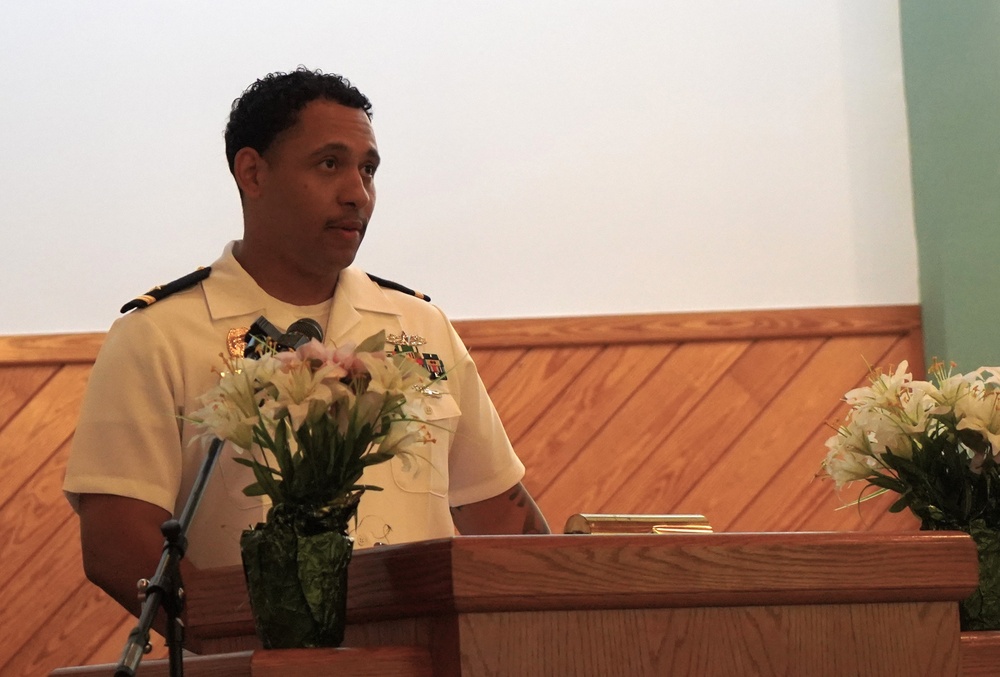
[(164, 588)]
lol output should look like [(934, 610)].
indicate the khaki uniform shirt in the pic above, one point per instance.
[(156, 362)]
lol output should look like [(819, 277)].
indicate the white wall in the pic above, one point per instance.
[(540, 158)]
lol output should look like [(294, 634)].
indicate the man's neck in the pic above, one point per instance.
[(283, 282)]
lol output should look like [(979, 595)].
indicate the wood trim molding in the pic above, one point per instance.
[(50, 348), (677, 327), (573, 331)]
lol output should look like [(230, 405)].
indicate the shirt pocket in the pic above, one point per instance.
[(426, 471)]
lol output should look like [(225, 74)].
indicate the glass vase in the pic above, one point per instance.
[(296, 573), (981, 610)]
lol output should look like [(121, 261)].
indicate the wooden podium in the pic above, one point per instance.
[(707, 604)]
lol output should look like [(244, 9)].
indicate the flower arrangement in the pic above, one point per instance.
[(934, 443), (309, 422)]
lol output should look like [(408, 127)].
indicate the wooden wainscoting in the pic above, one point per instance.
[(723, 414)]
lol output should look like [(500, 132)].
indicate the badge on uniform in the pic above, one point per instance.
[(409, 346), (236, 341), (434, 367)]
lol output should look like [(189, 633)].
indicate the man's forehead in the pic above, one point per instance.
[(328, 124)]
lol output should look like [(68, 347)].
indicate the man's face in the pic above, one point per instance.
[(317, 190)]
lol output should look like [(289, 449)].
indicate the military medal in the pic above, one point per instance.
[(404, 339), (236, 341), (409, 345), (434, 366)]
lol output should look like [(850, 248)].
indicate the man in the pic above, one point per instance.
[(302, 151)]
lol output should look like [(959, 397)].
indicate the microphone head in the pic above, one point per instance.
[(304, 330)]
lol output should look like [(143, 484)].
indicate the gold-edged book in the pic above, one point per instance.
[(585, 523)]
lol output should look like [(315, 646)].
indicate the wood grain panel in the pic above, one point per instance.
[(82, 622), (796, 484), (25, 612), (687, 447), (616, 456), (546, 373), (494, 364), (584, 409), (681, 646), (980, 654), (719, 413), (41, 427), (17, 385), (29, 516), (777, 432)]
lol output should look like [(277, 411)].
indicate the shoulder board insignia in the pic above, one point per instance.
[(162, 291), (389, 284)]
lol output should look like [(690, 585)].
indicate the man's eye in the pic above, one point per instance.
[(329, 163), (370, 169)]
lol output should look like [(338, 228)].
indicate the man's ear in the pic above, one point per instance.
[(249, 169)]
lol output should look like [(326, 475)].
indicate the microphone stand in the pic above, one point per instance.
[(164, 588)]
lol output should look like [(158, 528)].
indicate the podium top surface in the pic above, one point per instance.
[(522, 573)]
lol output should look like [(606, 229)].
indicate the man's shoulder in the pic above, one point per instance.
[(374, 292), (163, 291), (397, 287)]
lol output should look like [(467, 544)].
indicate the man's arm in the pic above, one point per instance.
[(121, 542), (510, 512)]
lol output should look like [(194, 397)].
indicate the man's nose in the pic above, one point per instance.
[(354, 190)]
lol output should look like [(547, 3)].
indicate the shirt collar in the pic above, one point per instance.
[(231, 292)]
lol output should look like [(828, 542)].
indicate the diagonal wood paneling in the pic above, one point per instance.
[(816, 499), (17, 386), (687, 447), (778, 430), (723, 414), (615, 457), (34, 510), (493, 364), (32, 436), (580, 413), (545, 373)]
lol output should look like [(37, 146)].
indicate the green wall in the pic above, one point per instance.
[(951, 63)]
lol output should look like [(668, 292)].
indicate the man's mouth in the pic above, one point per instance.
[(350, 224)]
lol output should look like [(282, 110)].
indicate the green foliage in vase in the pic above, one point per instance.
[(934, 443), (310, 421)]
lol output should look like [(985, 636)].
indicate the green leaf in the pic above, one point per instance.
[(254, 489), (265, 477), (899, 505), (373, 344), (257, 465), (365, 487)]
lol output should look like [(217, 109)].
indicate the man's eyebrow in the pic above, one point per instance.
[(371, 153)]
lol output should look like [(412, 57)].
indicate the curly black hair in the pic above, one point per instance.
[(272, 104)]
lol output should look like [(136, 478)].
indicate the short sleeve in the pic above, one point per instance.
[(482, 463), (127, 440)]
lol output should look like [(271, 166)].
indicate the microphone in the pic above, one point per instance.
[(306, 329), (264, 336)]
